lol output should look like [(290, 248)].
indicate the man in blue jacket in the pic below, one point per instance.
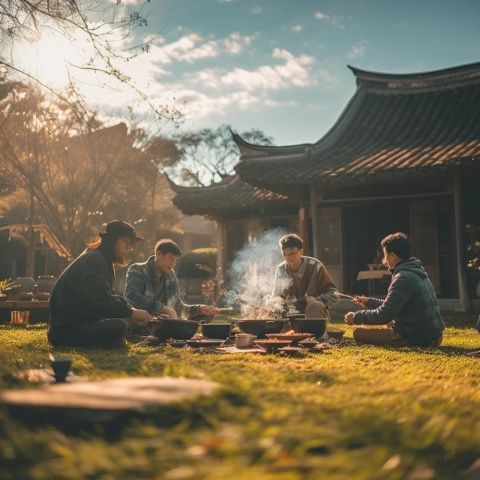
[(410, 309), (153, 286)]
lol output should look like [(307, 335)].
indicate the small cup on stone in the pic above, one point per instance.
[(61, 367), (244, 340)]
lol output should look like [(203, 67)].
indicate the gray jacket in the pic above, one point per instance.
[(411, 304)]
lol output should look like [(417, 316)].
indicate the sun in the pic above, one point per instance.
[(52, 57)]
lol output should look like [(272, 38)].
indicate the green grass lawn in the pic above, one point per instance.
[(353, 412)]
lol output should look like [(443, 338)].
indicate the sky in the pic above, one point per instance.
[(276, 65)]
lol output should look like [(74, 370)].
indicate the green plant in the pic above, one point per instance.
[(472, 254), (6, 285), (199, 263), (473, 247)]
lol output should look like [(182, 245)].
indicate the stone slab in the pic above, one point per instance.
[(134, 394)]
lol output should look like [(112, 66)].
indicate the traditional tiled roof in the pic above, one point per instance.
[(394, 126), (43, 231), (231, 194)]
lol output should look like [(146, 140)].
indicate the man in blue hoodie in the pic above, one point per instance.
[(410, 308)]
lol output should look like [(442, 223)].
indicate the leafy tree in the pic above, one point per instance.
[(111, 41), (79, 172), (209, 155)]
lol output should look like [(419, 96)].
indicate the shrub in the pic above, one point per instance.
[(199, 263)]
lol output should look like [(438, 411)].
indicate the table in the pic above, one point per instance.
[(19, 310), (371, 276)]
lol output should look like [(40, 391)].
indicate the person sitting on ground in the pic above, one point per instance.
[(410, 308), (153, 285), (84, 310), (304, 280)]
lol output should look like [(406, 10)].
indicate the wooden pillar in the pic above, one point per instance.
[(221, 239), (462, 277), (303, 227), (30, 266), (315, 226)]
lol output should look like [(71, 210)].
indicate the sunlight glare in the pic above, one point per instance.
[(49, 58)]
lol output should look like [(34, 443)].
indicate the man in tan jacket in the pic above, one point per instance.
[(303, 283)]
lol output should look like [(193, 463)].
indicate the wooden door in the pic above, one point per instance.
[(424, 236), (330, 242)]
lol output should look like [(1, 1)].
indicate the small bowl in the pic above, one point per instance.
[(216, 330), (172, 328), (244, 340), (61, 367), (314, 326), (261, 327)]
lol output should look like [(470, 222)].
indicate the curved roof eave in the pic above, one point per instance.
[(432, 74), (187, 188), (250, 149), (444, 78)]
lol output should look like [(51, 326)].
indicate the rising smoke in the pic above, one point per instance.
[(252, 273)]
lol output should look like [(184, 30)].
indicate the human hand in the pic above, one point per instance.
[(360, 300), (349, 318), (140, 317), (310, 299), (169, 311), (208, 310)]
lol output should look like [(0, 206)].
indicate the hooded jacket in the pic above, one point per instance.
[(411, 304)]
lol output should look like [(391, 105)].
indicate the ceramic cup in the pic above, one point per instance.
[(61, 367), (244, 340)]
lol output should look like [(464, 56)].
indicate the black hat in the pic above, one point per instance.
[(119, 228)]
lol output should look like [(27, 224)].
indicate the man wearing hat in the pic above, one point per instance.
[(84, 310)]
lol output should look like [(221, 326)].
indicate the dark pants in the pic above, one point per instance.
[(99, 333)]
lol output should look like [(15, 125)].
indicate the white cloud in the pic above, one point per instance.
[(188, 48), (235, 42), (209, 78), (196, 105), (297, 28), (295, 71), (225, 1), (358, 50), (126, 2), (192, 47), (321, 16), (256, 10)]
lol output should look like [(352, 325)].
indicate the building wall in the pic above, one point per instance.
[(350, 232)]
